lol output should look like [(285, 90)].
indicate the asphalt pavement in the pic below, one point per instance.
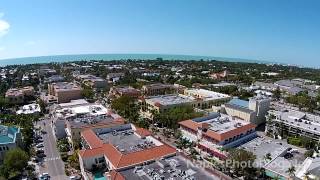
[(52, 163)]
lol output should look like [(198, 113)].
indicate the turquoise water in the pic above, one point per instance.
[(99, 176), (108, 57)]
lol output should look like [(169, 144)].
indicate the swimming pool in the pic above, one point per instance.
[(99, 176)]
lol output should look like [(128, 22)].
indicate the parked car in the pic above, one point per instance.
[(40, 145), (41, 155), (39, 151)]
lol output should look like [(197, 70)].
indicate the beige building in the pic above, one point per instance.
[(92, 81), (17, 95), (158, 89), (196, 98), (253, 111), (65, 91)]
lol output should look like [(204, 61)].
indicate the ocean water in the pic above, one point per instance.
[(108, 57)]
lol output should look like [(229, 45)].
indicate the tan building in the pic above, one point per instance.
[(253, 111), (116, 92), (158, 89), (17, 95), (65, 91), (92, 81)]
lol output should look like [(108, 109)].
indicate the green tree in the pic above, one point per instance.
[(291, 170), (14, 162), (277, 93), (87, 93), (242, 162), (127, 107)]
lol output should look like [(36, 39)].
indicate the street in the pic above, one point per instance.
[(53, 163)]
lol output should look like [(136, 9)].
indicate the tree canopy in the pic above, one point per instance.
[(14, 162)]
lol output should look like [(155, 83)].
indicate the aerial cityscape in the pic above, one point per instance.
[(159, 90)]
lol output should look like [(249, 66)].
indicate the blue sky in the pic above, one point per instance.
[(285, 31)]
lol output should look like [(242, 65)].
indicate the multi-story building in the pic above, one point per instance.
[(116, 92), (71, 118), (217, 132), (196, 98), (65, 91), (158, 89), (17, 95), (10, 138), (253, 111), (122, 149), (164, 103), (292, 122), (205, 98), (92, 81)]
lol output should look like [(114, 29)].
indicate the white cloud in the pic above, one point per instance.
[(4, 26)]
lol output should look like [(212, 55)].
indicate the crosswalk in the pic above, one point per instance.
[(52, 158)]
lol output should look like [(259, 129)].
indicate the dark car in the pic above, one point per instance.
[(41, 155), (40, 151)]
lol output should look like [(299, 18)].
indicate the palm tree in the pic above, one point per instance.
[(267, 157), (276, 178), (306, 175), (291, 171)]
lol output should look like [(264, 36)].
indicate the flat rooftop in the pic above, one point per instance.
[(261, 146), (299, 120), (281, 156), (81, 107), (29, 109), (158, 86), (126, 141), (166, 100), (64, 86), (206, 94), (173, 168), (224, 123)]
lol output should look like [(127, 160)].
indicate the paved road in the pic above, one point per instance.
[(53, 163)]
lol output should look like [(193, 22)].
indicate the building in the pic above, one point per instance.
[(217, 132), (219, 75), (291, 122), (29, 109), (275, 157), (54, 78), (116, 92), (310, 169), (10, 138), (17, 95), (71, 118), (158, 89), (253, 111), (164, 103), (120, 148), (176, 167), (114, 77), (65, 91), (92, 81), (205, 98)]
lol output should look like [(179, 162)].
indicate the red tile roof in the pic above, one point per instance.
[(91, 138), (217, 136), (116, 175), (120, 160), (143, 132)]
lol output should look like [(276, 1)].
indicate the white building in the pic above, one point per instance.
[(29, 109)]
